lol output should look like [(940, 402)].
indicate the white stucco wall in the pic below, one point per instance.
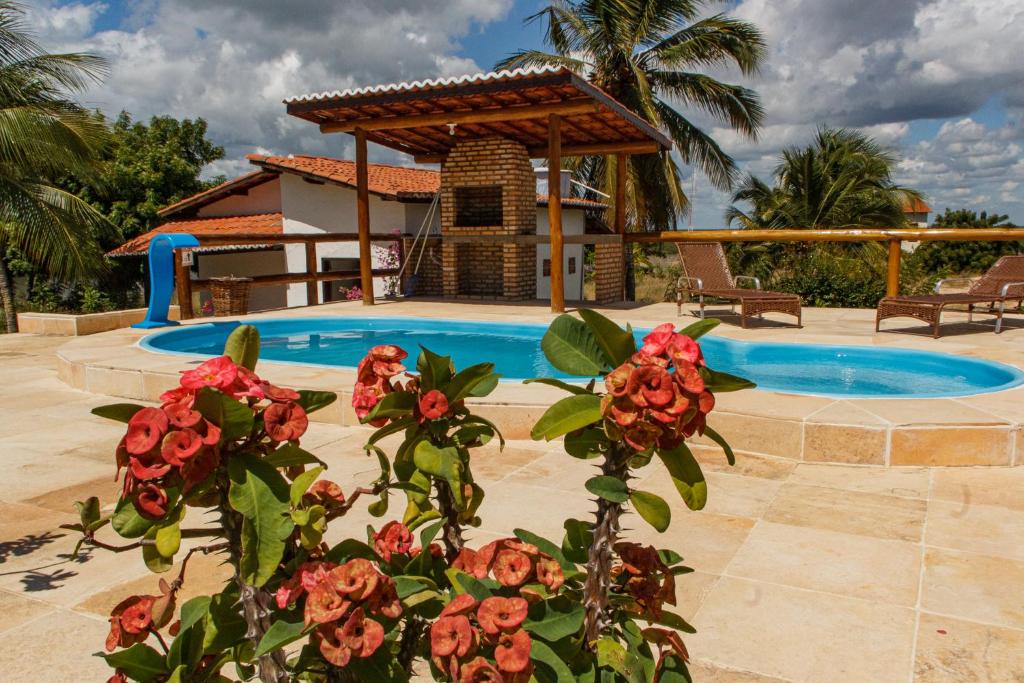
[(265, 198), (312, 208), (573, 223), (247, 264)]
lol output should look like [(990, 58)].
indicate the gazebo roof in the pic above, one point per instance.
[(417, 117)]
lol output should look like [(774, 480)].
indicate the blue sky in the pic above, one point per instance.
[(933, 79)]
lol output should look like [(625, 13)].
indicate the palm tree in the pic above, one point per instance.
[(44, 136), (648, 55), (842, 179)]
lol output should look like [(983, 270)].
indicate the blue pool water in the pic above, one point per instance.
[(837, 371)]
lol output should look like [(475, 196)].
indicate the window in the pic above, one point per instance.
[(478, 206), (547, 267), (572, 265)]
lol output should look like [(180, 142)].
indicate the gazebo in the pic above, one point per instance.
[(483, 129)]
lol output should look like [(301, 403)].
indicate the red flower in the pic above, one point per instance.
[(278, 394), (151, 501), (356, 579), (130, 621), (181, 445), (385, 599), (641, 436), (513, 651), (285, 421), (306, 578), (501, 614), (145, 429), (211, 433), (219, 373), (650, 385), (332, 646), (433, 405), (324, 604), (460, 604), (471, 562), (451, 636), (360, 635), (383, 361), (146, 466), (180, 414), (366, 395), (706, 402), (683, 349), (550, 574), (656, 341), (479, 670), (394, 537), (118, 677), (689, 377), (511, 568), (246, 385), (324, 492), (199, 467)]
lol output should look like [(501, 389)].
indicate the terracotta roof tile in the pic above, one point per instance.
[(383, 179), (916, 206), (259, 224)]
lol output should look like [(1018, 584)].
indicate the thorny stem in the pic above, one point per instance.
[(599, 555), (451, 531), (410, 641), (351, 500), (185, 533)]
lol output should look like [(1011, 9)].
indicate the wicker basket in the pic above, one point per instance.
[(230, 295)]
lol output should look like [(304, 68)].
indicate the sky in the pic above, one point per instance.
[(940, 82)]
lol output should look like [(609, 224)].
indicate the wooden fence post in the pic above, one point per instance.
[(892, 279)]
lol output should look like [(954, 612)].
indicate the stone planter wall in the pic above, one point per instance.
[(70, 325)]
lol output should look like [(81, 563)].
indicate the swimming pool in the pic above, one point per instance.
[(835, 371)]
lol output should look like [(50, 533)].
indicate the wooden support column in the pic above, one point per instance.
[(555, 211), (892, 279), (620, 193), (363, 207), (311, 295), (183, 284)]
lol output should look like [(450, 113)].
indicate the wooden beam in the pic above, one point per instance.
[(837, 235), (620, 192), (586, 106), (311, 294), (596, 149), (363, 214), (555, 211), (892, 276), (183, 283)]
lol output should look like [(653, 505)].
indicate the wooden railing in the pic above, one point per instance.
[(894, 236), (312, 276)]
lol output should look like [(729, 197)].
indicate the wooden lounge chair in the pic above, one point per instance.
[(706, 274), (1003, 282)]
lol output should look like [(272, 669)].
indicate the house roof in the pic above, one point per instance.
[(427, 118), (225, 189), (915, 206), (258, 224)]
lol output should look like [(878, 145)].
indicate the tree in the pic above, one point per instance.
[(43, 135), (955, 258), (648, 54)]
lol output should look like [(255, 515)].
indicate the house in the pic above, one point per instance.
[(916, 212), (300, 194)]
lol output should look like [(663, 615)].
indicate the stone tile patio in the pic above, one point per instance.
[(805, 571)]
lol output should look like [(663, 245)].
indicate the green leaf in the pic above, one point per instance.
[(301, 484), (720, 440), (652, 508), (224, 625), (686, 475), (617, 344), (443, 463), (243, 346), (464, 583), (127, 521), (260, 494), (567, 415), (157, 562), (194, 611), (391, 428), (545, 546), (722, 381), (485, 386), (435, 371), (350, 549), (674, 621), (280, 634), (88, 511), (609, 488), (587, 443), (168, 539), (555, 619), (477, 420), (312, 401), (234, 418), (139, 662), (700, 328), (311, 533), (121, 412), (613, 655), (558, 384), (462, 384), (578, 537), (395, 404), (549, 667), (570, 346), (379, 507), (289, 455)]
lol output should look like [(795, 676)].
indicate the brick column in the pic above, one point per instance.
[(609, 273)]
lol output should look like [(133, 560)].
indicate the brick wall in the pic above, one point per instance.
[(490, 270), (429, 281), (609, 273)]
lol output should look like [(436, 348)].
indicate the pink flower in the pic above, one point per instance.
[(433, 405), (178, 446), (145, 429), (656, 341), (394, 537), (219, 373), (285, 421), (151, 501), (683, 348)]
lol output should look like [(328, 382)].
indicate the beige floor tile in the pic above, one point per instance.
[(926, 411), (905, 482), (63, 499), (853, 512), (985, 485), (953, 650), (801, 635), (555, 469), (706, 541), (846, 413), (55, 649), (949, 446), (538, 509), (17, 610), (985, 529), (728, 494), (977, 587), (766, 436), (691, 591), (845, 564), (844, 443), (706, 672), (712, 459)]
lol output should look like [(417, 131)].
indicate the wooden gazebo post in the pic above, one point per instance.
[(363, 213), (555, 211)]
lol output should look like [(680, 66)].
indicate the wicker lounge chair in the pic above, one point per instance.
[(706, 274), (1003, 282)]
